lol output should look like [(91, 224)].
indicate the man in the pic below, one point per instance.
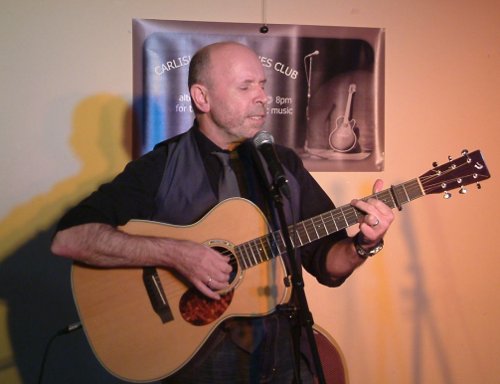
[(178, 183)]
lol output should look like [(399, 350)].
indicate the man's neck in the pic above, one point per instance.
[(216, 136)]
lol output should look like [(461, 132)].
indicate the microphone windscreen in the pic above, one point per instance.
[(263, 137)]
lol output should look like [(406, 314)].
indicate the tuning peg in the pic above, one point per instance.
[(465, 151), (450, 158), (435, 164), (478, 185), (447, 195), (462, 190)]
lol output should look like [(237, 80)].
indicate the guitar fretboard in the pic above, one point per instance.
[(265, 248)]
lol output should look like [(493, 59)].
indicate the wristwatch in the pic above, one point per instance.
[(364, 253)]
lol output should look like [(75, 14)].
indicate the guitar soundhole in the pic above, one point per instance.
[(198, 309)]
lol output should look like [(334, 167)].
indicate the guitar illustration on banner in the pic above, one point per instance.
[(342, 136), (145, 324)]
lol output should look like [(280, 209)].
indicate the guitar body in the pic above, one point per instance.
[(343, 138), (128, 337)]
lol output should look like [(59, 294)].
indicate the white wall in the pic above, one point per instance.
[(423, 311)]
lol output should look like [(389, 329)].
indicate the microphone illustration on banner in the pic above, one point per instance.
[(315, 53), (264, 142)]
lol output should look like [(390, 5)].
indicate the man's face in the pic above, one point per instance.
[(236, 93)]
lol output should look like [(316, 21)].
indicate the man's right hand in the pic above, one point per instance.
[(207, 269)]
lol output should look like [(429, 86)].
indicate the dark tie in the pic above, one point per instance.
[(228, 184)]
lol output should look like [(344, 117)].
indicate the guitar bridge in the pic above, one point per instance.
[(156, 294)]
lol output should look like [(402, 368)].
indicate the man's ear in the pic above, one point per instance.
[(199, 96)]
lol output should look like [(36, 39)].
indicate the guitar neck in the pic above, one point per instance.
[(468, 169), (352, 89), (305, 232)]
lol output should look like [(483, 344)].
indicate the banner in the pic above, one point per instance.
[(325, 86)]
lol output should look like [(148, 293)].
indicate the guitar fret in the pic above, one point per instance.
[(320, 227), (295, 235), (252, 249), (258, 250), (315, 227), (261, 250), (333, 222), (324, 221), (251, 258), (281, 243), (248, 264), (352, 215), (264, 251), (311, 230), (346, 223), (416, 190), (387, 198), (306, 232), (244, 254), (239, 257), (413, 190), (328, 223), (403, 188), (339, 218)]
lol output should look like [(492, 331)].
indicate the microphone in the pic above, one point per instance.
[(264, 142), (315, 53)]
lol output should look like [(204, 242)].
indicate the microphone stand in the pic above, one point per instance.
[(299, 311), (308, 76), (308, 70)]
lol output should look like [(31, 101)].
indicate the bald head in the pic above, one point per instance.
[(203, 61)]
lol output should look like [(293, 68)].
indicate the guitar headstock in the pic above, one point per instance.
[(469, 168)]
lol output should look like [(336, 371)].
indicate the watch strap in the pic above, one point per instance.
[(365, 253)]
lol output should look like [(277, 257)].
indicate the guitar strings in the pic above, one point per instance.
[(250, 253)]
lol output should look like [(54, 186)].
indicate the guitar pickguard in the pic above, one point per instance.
[(197, 309)]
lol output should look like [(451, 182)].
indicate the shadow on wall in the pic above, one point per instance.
[(35, 286), (424, 321)]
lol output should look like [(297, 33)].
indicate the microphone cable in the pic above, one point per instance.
[(64, 331)]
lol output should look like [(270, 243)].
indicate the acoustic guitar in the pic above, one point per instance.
[(144, 324), (342, 137)]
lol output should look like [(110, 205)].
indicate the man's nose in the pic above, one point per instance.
[(261, 96)]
